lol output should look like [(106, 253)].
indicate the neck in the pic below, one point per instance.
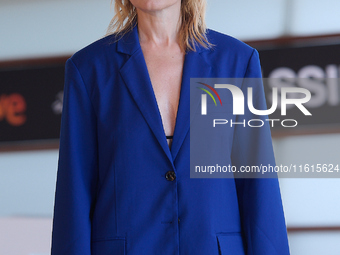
[(159, 27)]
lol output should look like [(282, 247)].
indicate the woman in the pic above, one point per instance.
[(121, 188)]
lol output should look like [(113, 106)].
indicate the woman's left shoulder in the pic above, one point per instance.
[(223, 42)]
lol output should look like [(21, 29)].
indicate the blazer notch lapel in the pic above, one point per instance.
[(195, 66), (135, 75), (129, 42)]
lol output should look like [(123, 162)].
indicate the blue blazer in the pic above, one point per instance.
[(113, 195)]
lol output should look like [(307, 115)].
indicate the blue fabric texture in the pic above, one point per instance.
[(112, 194)]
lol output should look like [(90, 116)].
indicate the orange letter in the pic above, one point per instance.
[(16, 110)]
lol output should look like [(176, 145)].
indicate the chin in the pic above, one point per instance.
[(154, 5)]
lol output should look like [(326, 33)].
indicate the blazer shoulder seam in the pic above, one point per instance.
[(89, 95)]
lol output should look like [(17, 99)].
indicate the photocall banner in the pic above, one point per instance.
[(31, 96), (31, 103), (315, 68)]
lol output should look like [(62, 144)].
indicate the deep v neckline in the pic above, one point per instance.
[(136, 78), (157, 103)]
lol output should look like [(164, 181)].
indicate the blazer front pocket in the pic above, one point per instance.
[(114, 246), (230, 244)]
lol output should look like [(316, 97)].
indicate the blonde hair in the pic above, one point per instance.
[(192, 28)]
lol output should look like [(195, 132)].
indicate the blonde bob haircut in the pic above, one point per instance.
[(192, 28)]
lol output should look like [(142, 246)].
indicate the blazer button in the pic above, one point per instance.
[(170, 176)]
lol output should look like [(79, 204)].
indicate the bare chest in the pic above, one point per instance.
[(165, 71)]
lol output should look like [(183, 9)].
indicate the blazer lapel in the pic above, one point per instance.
[(195, 66), (136, 77)]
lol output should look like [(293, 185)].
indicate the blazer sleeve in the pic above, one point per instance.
[(77, 169), (259, 198)]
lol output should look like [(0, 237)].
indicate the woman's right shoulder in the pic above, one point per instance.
[(97, 52)]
